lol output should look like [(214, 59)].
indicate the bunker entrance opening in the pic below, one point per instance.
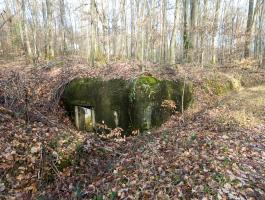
[(85, 117)]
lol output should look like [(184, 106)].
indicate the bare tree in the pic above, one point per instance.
[(215, 29), (186, 41), (160, 31), (193, 29), (164, 31), (49, 50), (172, 45), (249, 27), (63, 26)]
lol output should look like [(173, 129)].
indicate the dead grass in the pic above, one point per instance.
[(245, 108)]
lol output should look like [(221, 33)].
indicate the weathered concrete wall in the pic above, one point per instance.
[(133, 104)]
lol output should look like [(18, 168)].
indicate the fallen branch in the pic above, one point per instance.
[(9, 19), (38, 116), (6, 111)]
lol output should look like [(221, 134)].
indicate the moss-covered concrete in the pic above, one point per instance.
[(106, 97), (146, 96), (132, 104)]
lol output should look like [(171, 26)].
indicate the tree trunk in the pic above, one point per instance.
[(25, 31), (202, 37), (124, 34), (215, 28), (63, 27), (132, 29), (172, 45), (249, 28), (260, 42), (49, 54), (92, 33), (164, 30), (142, 50), (193, 21), (114, 28), (35, 22), (186, 42)]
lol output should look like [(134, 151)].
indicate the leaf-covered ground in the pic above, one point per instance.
[(195, 159), (214, 151)]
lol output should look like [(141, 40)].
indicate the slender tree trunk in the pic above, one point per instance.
[(142, 50), (104, 30), (151, 37), (249, 28), (49, 54), (92, 33), (186, 42), (261, 42), (193, 21), (114, 28), (202, 47), (63, 27), (21, 34), (215, 29), (132, 29), (254, 38), (25, 31), (261, 27), (164, 30), (172, 45), (124, 35), (138, 30), (35, 22), (149, 30)]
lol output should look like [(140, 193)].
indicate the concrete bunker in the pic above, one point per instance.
[(128, 104)]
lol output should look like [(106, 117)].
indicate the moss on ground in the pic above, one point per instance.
[(221, 85)]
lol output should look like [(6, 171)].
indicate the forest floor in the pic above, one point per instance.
[(215, 151), (218, 154)]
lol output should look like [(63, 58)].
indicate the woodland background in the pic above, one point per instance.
[(161, 31), (213, 150)]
